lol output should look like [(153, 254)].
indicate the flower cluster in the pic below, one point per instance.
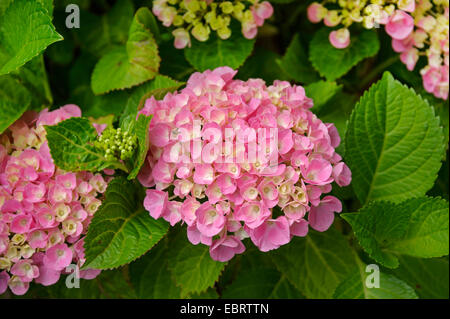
[(116, 143), (235, 159), (44, 211), (199, 17), (416, 27), (429, 37)]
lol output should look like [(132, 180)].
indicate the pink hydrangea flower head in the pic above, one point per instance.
[(43, 209), (417, 28), (251, 160)]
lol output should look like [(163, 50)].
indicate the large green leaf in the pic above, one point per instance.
[(417, 227), (72, 147), (354, 287), (429, 277), (124, 67), (317, 263), (4, 5), (121, 229), (333, 63), (191, 266), (394, 143), (26, 29), (150, 275), (295, 62), (14, 100), (216, 52)]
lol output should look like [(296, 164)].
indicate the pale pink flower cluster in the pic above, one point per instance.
[(223, 201), (44, 211), (201, 17), (416, 28), (429, 37)]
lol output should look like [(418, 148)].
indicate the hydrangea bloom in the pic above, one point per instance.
[(234, 159), (199, 17), (44, 211), (416, 28)]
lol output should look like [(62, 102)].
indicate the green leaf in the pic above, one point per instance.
[(316, 264), (4, 5), (216, 52), (333, 63), (72, 147), (394, 143), (14, 101), (261, 283), (354, 287), (141, 130), (429, 277), (22, 37), (99, 35), (417, 227), (121, 229), (132, 65), (48, 5), (321, 92), (191, 266), (150, 275), (295, 62)]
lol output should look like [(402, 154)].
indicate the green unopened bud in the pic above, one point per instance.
[(224, 33), (227, 7), (210, 16), (200, 32), (238, 10), (178, 21), (247, 16), (192, 5), (189, 17)]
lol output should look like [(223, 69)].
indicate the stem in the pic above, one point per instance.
[(380, 68)]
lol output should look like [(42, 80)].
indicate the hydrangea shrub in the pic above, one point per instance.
[(224, 149)]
